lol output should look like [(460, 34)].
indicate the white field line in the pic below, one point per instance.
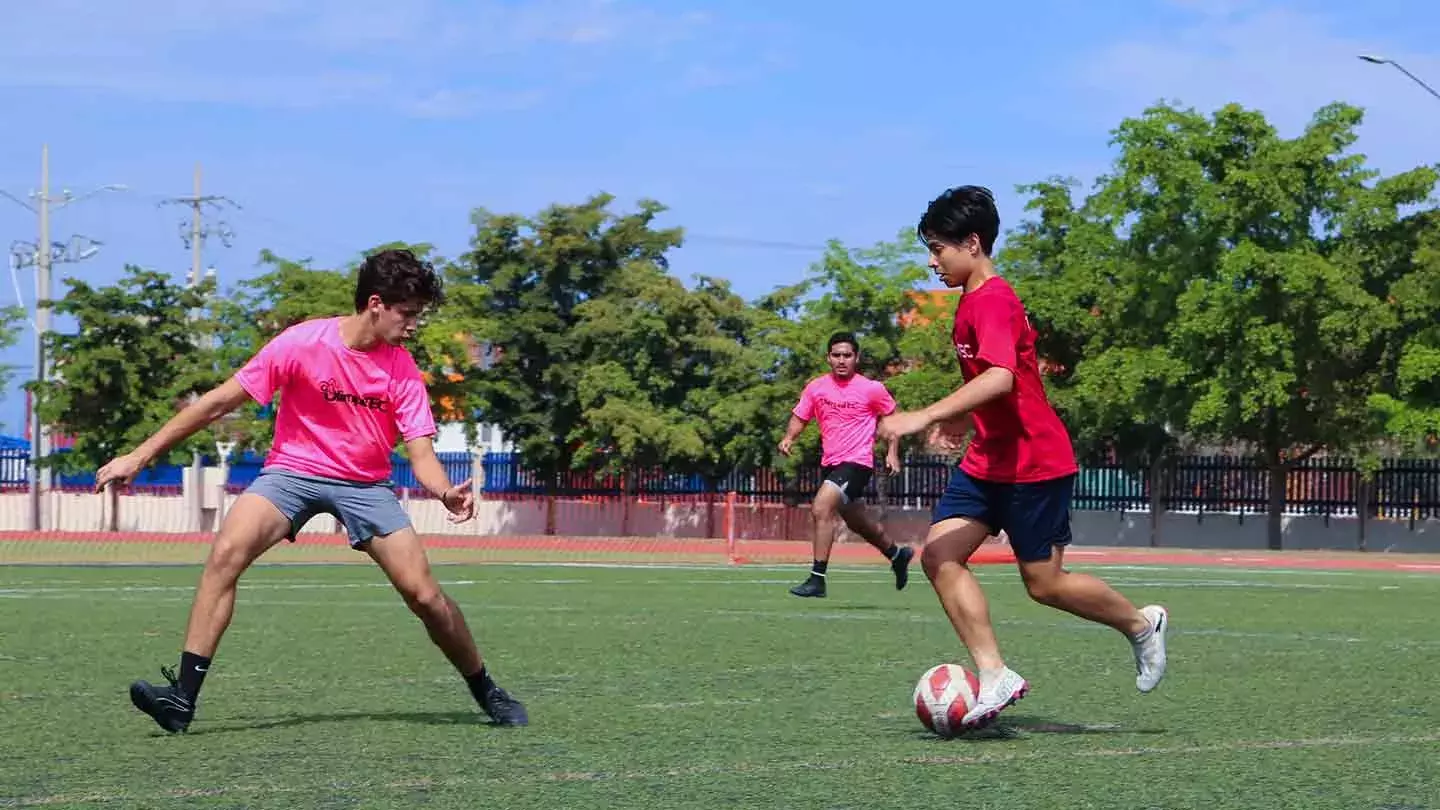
[(181, 595)]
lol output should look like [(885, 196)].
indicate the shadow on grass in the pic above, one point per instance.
[(1015, 726), (414, 718)]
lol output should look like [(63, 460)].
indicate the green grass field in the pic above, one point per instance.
[(713, 687)]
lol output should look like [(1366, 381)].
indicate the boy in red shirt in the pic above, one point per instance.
[(848, 406), (1019, 471)]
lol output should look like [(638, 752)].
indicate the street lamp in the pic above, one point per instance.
[(1380, 60)]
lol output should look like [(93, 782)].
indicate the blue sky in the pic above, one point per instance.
[(339, 125)]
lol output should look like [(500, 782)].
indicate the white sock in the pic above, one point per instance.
[(989, 676)]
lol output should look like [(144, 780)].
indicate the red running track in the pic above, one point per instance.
[(793, 551)]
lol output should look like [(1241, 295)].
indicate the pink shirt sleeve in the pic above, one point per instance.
[(997, 331), (881, 401), (413, 414), (805, 409), (266, 372)]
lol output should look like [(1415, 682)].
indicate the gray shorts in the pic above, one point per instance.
[(366, 510)]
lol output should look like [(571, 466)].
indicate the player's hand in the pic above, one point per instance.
[(785, 445), (120, 470), (903, 423), (948, 437), (460, 501), (892, 463)]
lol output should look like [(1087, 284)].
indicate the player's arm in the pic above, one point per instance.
[(431, 473), (997, 333), (800, 416), (884, 404), (990, 385), (193, 418), (792, 432), (416, 421)]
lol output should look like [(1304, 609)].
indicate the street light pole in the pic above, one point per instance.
[(39, 437), (44, 255), (1380, 60)]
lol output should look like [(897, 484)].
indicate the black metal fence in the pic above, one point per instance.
[(1402, 488)]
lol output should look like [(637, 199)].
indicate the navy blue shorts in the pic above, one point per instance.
[(365, 510), (1036, 517)]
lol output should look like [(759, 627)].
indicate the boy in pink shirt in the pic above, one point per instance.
[(349, 390), (848, 406)]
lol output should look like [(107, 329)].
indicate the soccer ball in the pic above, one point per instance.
[(943, 696)]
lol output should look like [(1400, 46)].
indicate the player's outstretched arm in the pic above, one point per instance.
[(991, 384), (215, 403), (459, 500)]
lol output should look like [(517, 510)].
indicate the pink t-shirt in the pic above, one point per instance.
[(340, 409), (848, 412)]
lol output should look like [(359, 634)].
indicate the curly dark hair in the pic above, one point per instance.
[(398, 276)]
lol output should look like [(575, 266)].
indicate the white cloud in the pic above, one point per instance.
[(1283, 62), (421, 57)]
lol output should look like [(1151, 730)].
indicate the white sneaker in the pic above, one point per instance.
[(994, 697), (1150, 653)]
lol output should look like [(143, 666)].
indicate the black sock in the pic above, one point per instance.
[(818, 568), (192, 673), (891, 552), (480, 683)]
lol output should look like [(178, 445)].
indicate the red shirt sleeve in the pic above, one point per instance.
[(998, 324)]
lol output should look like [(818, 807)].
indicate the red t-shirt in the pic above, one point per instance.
[(1018, 438)]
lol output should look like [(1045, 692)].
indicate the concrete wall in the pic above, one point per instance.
[(614, 517)]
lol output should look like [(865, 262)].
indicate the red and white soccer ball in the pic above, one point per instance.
[(943, 696)]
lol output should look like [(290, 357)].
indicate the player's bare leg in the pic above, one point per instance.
[(1089, 597), (402, 557), (948, 548), (858, 519), (825, 512), (250, 529)]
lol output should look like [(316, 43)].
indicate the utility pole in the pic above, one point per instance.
[(194, 235), (44, 254)]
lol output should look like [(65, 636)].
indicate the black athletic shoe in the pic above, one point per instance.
[(814, 586), (901, 566), (166, 705), (503, 709)]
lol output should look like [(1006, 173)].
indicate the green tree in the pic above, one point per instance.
[(1216, 281), (1410, 404), (537, 273), (670, 378), (1100, 315), (137, 356), (929, 370), (12, 319)]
